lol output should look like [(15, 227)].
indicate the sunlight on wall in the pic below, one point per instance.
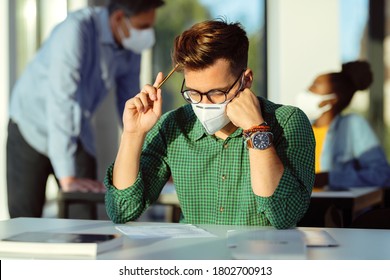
[(29, 11), (74, 5), (56, 12), (293, 59)]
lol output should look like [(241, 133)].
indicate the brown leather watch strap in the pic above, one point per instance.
[(263, 127)]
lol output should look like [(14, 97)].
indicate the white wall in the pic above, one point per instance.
[(4, 93), (54, 12), (76, 4), (303, 41)]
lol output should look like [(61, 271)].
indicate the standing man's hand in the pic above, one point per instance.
[(73, 184), (143, 111)]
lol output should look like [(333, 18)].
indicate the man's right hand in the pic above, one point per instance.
[(143, 111), (73, 184)]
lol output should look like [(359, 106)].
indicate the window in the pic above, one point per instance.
[(353, 44)]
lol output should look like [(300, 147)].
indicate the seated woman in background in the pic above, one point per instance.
[(348, 153)]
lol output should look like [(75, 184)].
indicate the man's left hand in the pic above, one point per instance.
[(244, 110)]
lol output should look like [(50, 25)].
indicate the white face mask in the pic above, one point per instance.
[(212, 116), (139, 40), (310, 102)]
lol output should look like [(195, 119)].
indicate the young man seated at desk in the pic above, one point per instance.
[(234, 158)]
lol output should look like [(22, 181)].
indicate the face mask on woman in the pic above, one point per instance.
[(139, 39), (310, 102)]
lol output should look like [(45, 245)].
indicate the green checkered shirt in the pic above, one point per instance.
[(212, 176)]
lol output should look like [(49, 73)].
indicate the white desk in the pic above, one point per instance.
[(354, 243)]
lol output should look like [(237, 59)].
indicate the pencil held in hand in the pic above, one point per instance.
[(167, 77)]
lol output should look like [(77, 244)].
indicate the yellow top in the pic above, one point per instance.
[(319, 134)]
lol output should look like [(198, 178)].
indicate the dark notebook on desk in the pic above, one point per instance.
[(54, 243)]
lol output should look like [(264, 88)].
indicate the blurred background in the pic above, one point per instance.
[(291, 42)]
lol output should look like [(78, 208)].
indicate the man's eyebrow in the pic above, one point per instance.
[(145, 26), (221, 88)]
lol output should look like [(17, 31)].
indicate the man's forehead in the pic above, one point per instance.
[(144, 19), (216, 76), (204, 81)]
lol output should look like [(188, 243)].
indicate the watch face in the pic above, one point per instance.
[(261, 141)]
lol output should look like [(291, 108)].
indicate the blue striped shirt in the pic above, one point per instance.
[(74, 70)]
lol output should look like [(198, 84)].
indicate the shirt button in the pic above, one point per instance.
[(223, 177), (221, 209), (225, 146)]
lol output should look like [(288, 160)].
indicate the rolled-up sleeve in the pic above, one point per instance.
[(124, 205), (128, 204), (295, 147)]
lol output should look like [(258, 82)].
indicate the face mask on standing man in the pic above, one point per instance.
[(139, 39)]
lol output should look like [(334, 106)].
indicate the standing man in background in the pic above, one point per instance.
[(92, 52)]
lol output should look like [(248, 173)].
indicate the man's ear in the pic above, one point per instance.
[(116, 22), (116, 17), (248, 78)]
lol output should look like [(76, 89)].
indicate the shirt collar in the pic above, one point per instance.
[(199, 131), (105, 28)]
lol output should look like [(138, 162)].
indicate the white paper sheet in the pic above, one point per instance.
[(161, 231)]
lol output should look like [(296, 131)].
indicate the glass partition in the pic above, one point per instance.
[(387, 80)]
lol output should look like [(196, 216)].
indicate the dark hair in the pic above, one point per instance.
[(200, 46), (358, 73), (354, 76), (133, 7)]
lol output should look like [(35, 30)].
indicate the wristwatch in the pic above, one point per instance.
[(259, 140)]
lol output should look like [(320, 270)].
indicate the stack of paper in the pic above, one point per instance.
[(163, 231)]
